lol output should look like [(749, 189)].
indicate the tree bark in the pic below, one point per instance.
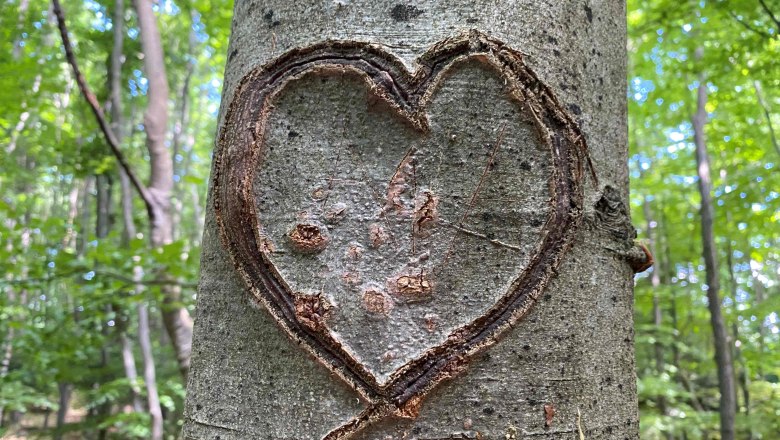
[(150, 378), (723, 357), (65, 390), (655, 282), (177, 319), (767, 114), (566, 370)]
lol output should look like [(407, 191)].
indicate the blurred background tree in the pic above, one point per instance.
[(83, 343)]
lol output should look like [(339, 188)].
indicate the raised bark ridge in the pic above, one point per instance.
[(303, 316)]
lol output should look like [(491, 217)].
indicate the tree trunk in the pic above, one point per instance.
[(470, 190), (655, 282), (125, 194), (65, 390), (177, 319), (150, 378), (720, 332)]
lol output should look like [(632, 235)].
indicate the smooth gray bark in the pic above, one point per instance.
[(573, 352), (178, 322), (723, 357)]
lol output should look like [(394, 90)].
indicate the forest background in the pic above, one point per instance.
[(95, 304)]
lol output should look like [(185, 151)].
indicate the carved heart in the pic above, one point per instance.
[(369, 236)]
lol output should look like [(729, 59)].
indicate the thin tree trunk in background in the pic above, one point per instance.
[(126, 195), (85, 220), (8, 341), (571, 356), (767, 115), (655, 282), (177, 319), (65, 390), (128, 362), (743, 376), (709, 252), (180, 131), (758, 287), (103, 191), (102, 228), (150, 378)]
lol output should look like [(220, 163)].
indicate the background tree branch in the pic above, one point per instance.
[(113, 143)]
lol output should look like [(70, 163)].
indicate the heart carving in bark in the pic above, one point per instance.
[(395, 224)]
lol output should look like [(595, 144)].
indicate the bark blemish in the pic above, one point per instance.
[(376, 302), (312, 310), (549, 413), (336, 213), (425, 214), (354, 251), (267, 245), (319, 193), (398, 185), (350, 278), (401, 12), (431, 322), (268, 16), (612, 215), (410, 409), (413, 286), (377, 235), (307, 238), (589, 13)]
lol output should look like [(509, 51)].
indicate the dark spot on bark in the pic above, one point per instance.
[(525, 166), (269, 18), (574, 108), (556, 52), (293, 134), (551, 39), (198, 407), (589, 13), (488, 411), (233, 53), (471, 20), (405, 12)]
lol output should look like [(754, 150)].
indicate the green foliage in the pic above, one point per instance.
[(738, 56), (67, 296)]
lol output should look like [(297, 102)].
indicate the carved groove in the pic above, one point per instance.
[(240, 152)]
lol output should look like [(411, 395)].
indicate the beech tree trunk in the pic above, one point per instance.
[(723, 357), (566, 369), (177, 319)]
